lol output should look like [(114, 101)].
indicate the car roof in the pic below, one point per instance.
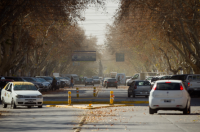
[(169, 81), (22, 83)]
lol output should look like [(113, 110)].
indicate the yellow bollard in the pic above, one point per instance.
[(77, 93), (69, 98), (111, 97), (94, 93)]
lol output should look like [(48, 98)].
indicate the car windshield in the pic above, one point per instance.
[(168, 86), (28, 79), (149, 78), (112, 80), (38, 80), (88, 79), (42, 79), (67, 78), (24, 87), (47, 78), (95, 77)]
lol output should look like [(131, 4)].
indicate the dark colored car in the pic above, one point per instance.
[(182, 77), (139, 88), (15, 78), (89, 81), (111, 83)]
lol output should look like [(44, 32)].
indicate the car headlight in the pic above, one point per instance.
[(39, 96), (19, 96)]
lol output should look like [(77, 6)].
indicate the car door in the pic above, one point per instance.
[(9, 93), (5, 92), (198, 81)]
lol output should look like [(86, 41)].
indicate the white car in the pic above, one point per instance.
[(21, 94), (169, 95)]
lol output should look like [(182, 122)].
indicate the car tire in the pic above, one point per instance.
[(133, 95), (13, 105), (129, 95), (3, 103), (40, 106), (28, 106), (146, 96), (186, 110), (151, 111)]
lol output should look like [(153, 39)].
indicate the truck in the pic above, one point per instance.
[(113, 74)]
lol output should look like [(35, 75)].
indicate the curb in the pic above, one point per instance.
[(95, 102), (86, 107)]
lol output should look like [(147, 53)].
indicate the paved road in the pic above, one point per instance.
[(137, 119), (40, 120)]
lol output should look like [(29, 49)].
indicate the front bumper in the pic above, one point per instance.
[(29, 101)]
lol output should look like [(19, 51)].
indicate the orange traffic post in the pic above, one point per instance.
[(77, 92), (69, 98), (94, 92), (111, 97)]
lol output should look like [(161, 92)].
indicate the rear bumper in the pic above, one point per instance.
[(111, 85), (158, 103)]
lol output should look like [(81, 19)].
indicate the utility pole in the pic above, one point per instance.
[(100, 69)]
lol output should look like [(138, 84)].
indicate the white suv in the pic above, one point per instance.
[(169, 95)]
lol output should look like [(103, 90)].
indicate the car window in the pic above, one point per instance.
[(147, 83), (140, 83), (190, 78), (24, 87), (112, 80), (198, 77), (168, 86), (10, 87), (7, 86), (194, 77)]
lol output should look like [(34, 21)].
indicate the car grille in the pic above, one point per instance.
[(30, 103), (30, 96)]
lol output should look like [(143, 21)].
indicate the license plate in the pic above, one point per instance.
[(30, 101), (167, 101), (111, 84)]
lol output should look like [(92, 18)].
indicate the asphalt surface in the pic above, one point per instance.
[(39, 119), (137, 119), (128, 118)]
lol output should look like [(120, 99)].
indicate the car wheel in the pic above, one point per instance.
[(146, 96), (13, 105), (85, 84), (40, 106), (133, 95), (4, 104), (116, 87), (129, 95), (186, 110), (151, 111), (28, 106)]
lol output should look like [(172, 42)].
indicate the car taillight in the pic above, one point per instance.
[(107, 82), (181, 87), (154, 88), (115, 81), (167, 82), (135, 87), (189, 84)]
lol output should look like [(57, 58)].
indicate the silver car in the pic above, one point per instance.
[(139, 88)]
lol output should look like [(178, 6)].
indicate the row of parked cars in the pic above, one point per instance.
[(43, 83)]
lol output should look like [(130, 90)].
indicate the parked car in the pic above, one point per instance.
[(169, 95), (14, 78), (96, 80), (39, 85), (21, 94), (112, 82), (139, 88), (89, 81), (46, 84), (64, 82)]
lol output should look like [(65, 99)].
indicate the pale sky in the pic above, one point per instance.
[(96, 20)]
